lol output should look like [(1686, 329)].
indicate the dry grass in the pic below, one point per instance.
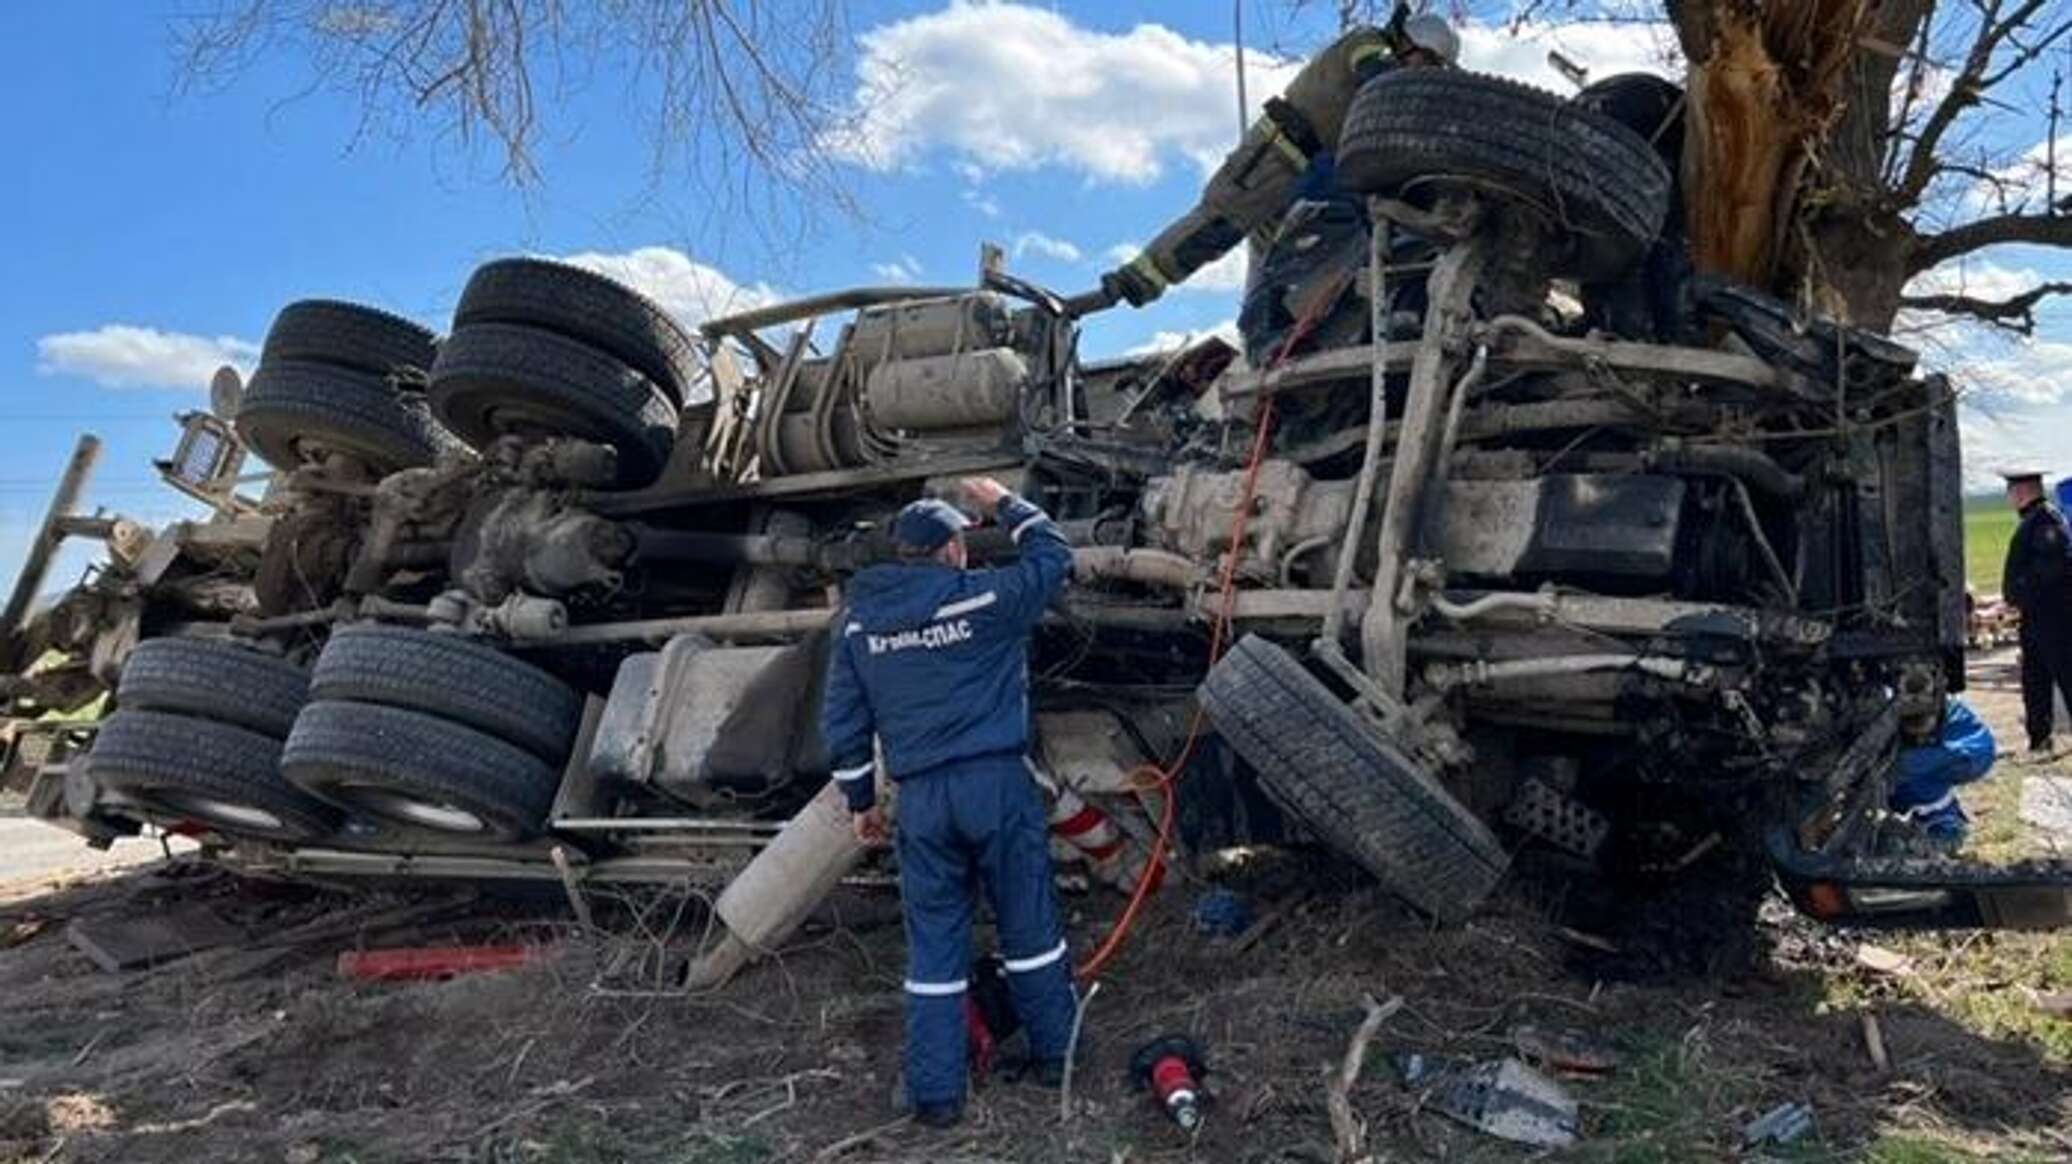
[(591, 1057)]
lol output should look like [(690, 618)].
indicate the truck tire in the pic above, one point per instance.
[(586, 306), (294, 410), (210, 679), (348, 335), (1603, 181), (228, 776), (409, 768), (453, 678), (1349, 784), (496, 378)]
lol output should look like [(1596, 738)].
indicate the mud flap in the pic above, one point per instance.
[(1924, 893)]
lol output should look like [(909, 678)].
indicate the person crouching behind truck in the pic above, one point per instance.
[(931, 658), (1942, 746)]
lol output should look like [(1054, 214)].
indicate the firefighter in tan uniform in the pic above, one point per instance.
[(1256, 182)]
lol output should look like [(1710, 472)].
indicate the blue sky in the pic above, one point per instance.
[(153, 233)]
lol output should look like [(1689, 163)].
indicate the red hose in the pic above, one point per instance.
[(1151, 776)]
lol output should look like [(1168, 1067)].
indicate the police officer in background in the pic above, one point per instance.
[(1258, 180), (2039, 584), (932, 659)]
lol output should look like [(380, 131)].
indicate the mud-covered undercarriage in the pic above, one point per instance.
[(1464, 560)]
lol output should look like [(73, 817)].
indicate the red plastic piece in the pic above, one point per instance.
[(418, 963), (983, 1045)]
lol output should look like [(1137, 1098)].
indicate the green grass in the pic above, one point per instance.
[(1987, 530)]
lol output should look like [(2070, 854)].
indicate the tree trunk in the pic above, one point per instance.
[(1788, 119)]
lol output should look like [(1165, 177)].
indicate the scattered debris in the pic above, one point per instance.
[(1509, 1100), (1589, 941), (1780, 1125), (1222, 914), (118, 944), (22, 931), (1266, 922), (1565, 1050), (1348, 1130), (1882, 960), (1874, 1042), (2047, 804), (1170, 1068), (419, 963)]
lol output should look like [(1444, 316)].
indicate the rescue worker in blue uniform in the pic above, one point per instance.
[(931, 659), (1940, 751)]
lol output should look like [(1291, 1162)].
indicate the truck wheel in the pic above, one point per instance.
[(295, 412), (197, 768), (1349, 784), (209, 679), (348, 335), (586, 306), (1602, 181), (496, 378), (414, 769), (453, 678)]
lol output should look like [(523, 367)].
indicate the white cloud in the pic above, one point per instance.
[(1011, 87), (1038, 243), (1978, 278), (121, 355), (1172, 341), (1996, 437), (1225, 274), (689, 290), (1995, 368), (904, 269), (1603, 48), (982, 202), (2013, 185)]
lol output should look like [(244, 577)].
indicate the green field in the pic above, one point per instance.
[(1988, 525)]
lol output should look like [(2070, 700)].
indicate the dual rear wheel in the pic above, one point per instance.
[(401, 727)]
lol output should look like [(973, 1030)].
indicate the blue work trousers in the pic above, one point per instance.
[(976, 822)]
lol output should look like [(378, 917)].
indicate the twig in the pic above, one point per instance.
[(1267, 921), (858, 1140), (1072, 1052), (90, 1045), (1346, 1129), (1874, 1042), (555, 1094)]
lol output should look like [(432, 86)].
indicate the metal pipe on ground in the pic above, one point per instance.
[(766, 903)]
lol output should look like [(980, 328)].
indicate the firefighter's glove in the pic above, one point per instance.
[(1132, 284)]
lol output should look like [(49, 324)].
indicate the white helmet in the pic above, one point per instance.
[(1432, 34)]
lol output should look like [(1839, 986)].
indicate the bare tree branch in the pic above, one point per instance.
[(742, 98), (2050, 230), (1966, 90), (2016, 314)]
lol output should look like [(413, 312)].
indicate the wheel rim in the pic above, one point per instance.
[(223, 811), (445, 818)]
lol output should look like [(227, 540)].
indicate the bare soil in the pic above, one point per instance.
[(267, 1054)]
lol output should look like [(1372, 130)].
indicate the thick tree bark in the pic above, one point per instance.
[(1790, 105)]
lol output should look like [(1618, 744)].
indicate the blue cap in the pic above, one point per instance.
[(927, 525)]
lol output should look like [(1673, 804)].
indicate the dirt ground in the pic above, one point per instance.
[(264, 1053)]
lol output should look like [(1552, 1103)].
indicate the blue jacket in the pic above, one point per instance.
[(934, 661), (1923, 786)]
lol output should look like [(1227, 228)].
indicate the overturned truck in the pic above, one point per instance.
[(1499, 534)]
